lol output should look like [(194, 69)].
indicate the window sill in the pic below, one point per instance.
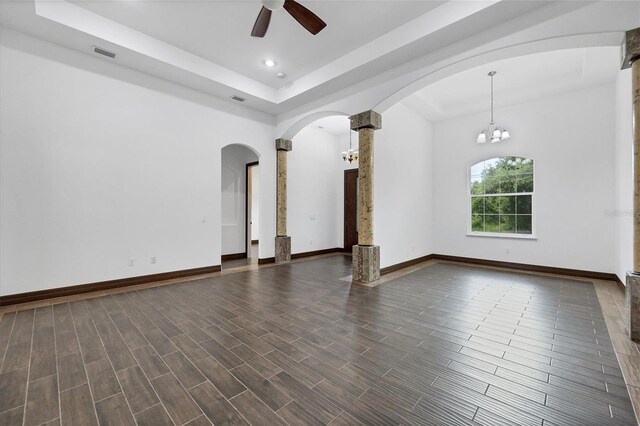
[(496, 235)]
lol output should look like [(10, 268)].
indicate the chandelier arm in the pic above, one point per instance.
[(350, 156)]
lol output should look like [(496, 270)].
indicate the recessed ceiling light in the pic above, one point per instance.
[(270, 63), (281, 75)]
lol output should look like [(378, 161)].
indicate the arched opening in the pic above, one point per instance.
[(440, 71), (316, 182), (560, 107), (292, 131), (240, 206)]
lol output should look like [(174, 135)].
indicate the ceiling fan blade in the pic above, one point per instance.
[(304, 16), (262, 23)]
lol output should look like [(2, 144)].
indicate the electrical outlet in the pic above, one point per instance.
[(154, 260), (508, 251), (132, 262)]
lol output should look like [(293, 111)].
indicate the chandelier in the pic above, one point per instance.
[(351, 155), (493, 132)]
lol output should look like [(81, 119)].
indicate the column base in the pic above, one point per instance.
[(283, 249), (632, 304), (366, 264)]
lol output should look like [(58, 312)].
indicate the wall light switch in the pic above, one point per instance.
[(154, 260)]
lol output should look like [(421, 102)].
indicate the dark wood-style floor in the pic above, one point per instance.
[(252, 259), (294, 344)]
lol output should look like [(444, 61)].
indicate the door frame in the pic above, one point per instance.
[(247, 247), (344, 195)]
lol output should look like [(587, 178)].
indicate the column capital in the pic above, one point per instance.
[(283, 144), (367, 119), (630, 47)]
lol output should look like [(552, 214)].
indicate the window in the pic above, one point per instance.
[(501, 191)]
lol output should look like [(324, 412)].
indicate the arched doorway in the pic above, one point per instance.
[(316, 182), (239, 206)]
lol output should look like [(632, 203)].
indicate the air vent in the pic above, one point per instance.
[(238, 98), (103, 52)]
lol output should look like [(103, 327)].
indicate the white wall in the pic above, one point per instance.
[(622, 214), (234, 162), (255, 202), (569, 137), (403, 182), (100, 164), (314, 168)]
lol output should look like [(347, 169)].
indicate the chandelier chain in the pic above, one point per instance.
[(492, 74)]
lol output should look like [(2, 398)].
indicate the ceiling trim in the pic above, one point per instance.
[(136, 42), (443, 70), (95, 25), (432, 21)]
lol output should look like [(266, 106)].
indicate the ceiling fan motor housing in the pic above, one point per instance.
[(273, 4)]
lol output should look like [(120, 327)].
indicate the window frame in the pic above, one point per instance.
[(471, 233)]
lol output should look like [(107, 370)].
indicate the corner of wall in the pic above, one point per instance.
[(623, 170)]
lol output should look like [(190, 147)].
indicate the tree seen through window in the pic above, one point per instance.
[(502, 196)]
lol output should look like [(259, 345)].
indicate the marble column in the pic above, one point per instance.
[(283, 242), (366, 255), (631, 59)]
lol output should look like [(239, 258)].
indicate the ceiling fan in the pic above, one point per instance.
[(304, 16)]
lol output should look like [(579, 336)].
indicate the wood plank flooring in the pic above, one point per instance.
[(295, 344)]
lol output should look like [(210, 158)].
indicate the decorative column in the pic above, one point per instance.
[(631, 50), (366, 256), (283, 242)]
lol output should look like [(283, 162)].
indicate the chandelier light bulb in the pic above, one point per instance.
[(482, 138)]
